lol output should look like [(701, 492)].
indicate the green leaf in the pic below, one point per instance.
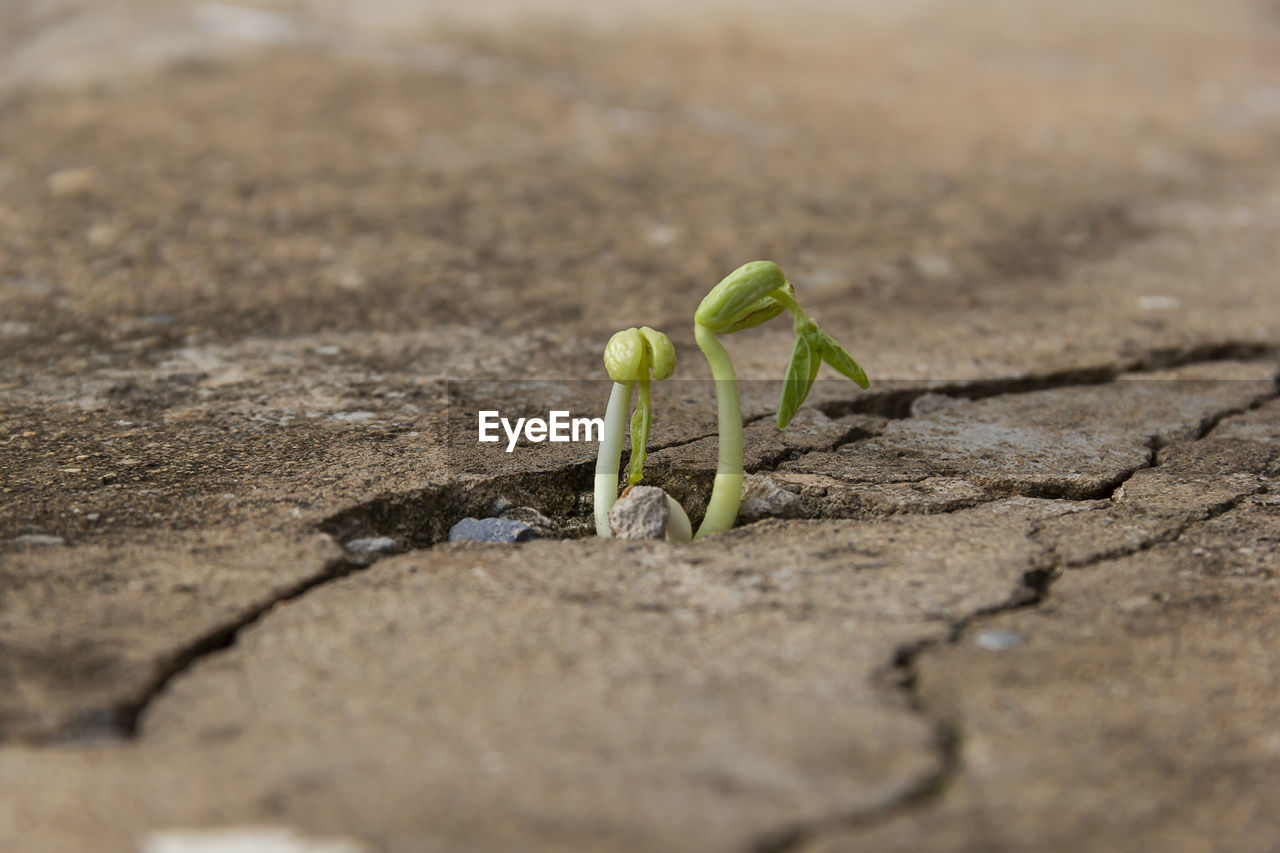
[(639, 433), (801, 371), (834, 355)]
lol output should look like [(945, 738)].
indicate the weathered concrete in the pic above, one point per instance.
[(741, 685), (1139, 713), (257, 271), (1076, 442), (89, 630)]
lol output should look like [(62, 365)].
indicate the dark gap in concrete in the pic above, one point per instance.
[(421, 519), (896, 403), (902, 676), (1211, 422), (122, 721)]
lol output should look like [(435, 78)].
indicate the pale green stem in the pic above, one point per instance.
[(797, 313), (615, 426), (726, 494)]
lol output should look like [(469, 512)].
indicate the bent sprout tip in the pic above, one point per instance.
[(752, 294), (632, 357)]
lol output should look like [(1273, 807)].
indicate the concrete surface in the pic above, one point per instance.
[(260, 266)]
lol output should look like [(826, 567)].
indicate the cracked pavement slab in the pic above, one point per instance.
[(257, 265), (1077, 442), (87, 634), (1159, 672), (743, 686)]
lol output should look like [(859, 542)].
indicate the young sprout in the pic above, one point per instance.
[(631, 357), (752, 294)]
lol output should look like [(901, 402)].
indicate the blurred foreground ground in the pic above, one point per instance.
[(249, 257)]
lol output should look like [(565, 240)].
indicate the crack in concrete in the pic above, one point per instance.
[(425, 509), (122, 720), (405, 516), (1033, 591), (1212, 422), (901, 675), (896, 404)]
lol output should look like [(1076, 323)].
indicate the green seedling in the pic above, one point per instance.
[(753, 294), (632, 358)]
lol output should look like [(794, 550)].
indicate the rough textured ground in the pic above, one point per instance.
[(258, 269)]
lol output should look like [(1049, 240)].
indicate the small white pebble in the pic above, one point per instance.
[(662, 235), (934, 266), (372, 545), (223, 20), (1158, 303), (38, 539), (101, 235), (248, 839), (71, 183), (14, 329), (999, 639)]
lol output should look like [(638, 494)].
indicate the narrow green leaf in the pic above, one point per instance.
[(814, 340), (801, 370), (639, 433), (834, 355)]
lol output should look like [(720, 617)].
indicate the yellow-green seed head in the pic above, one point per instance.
[(662, 354), (624, 355), (739, 296)]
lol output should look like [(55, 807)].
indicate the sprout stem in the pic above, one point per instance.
[(615, 425), (726, 494), (798, 316)]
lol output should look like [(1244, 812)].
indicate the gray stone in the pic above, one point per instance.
[(998, 640), (37, 540), (927, 404), (499, 506), (763, 498), (530, 516), (641, 513), (74, 182), (491, 530), (246, 839), (372, 545)]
